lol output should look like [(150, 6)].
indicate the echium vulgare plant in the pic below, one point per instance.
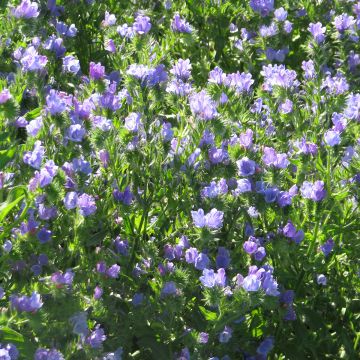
[(179, 179)]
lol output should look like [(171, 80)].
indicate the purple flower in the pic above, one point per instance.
[(70, 200), (272, 158), (286, 107), (202, 261), (222, 258), (214, 219), (352, 109), (126, 196), (4, 96), (55, 45), (217, 156), (260, 254), (113, 271), (309, 69), (203, 338), (34, 158), (263, 7), (169, 288), (203, 106), (243, 185), (246, 166), (54, 103), (321, 279), (180, 25), (265, 346), (210, 278), (71, 64), (191, 255), (86, 204), (133, 122), (225, 335), (317, 31), (97, 71), (241, 82), (327, 247), (178, 87), (44, 235), (343, 22), (280, 14), (63, 279), (198, 218), (76, 133), (110, 19), (26, 303), (289, 230), (34, 126), (142, 25), (288, 26), (250, 247), (167, 132), (332, 138), (32, 61), (217, 76), (45, 354), (26, 10), (182, 69), (278, 75), (251, 283), (102, 123), (96, 338), (246, 139), (270, 285)]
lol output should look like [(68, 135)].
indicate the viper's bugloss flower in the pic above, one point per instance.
[(59, 278), (246, 166), (263, 7), (96, 338), (26, 303), (212, 220), (86, 204), (71, 64), (314, 191), (210, 279), (317, 31), (180, 25), (272, 158), (45, 354), (225, 335), (327, 247), (34, 158), (182, 69), (142, 25), (265, 346), (32, 61), (203, 338), (280, 14), (278, 75), (26, 10), (202, 261), (34, 126), (5, 96), (321, 279), (332, 137), (203, 106), (97, 71)]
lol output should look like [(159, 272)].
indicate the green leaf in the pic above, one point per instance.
[(209, 315), (6, 207), (6, 156)]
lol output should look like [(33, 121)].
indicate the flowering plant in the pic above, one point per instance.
[(179, 180)]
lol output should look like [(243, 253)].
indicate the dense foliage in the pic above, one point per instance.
[(179, 179)]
